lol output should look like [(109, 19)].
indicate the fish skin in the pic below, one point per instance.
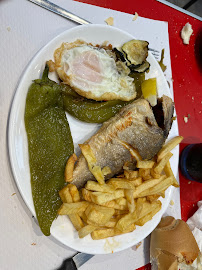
[(134, 124)]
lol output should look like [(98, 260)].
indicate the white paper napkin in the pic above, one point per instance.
[(25, 28)]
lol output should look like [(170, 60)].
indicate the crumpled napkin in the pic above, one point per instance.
[(195, 224)]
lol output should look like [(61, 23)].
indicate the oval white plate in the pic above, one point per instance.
[(62, 228)]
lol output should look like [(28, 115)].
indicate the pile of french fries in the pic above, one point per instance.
[(109, 208)]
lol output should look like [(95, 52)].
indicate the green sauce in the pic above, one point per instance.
[(50, 144)]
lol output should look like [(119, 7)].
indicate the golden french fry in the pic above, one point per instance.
[(131, 218), (154, 174), (146, 185), (136, 182), (65, 195), (100, 198), (134, 153), (72, 208), (119, 212), (74, 193), (131, 174), (69, 168), (168, 171), (110, 232), (168, 147), (161, 164), (76, 221), (117, 184), (99, 216), (106, 170), (94, 186), (145, 164), (158, 188), (149, 216), (145, 173), (86, 194), (91, 160), (130, 200), (86, 230), (152, 198)]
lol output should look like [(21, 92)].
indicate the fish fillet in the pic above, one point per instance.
[(134, 124)]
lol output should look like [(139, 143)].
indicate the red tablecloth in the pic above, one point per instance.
[(186, 62)]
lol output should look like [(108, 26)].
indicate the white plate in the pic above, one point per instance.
[(62, 228)]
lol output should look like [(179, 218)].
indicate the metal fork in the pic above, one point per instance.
[(68, 15)]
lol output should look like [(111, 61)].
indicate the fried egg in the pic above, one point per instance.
[(92, 72)]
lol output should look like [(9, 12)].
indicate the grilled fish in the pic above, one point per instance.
[(136, 124)]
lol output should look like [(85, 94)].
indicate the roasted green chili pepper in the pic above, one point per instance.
[(94, 111), (50, 144)]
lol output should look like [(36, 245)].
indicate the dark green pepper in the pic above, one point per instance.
[(95, 111), (50, 144)]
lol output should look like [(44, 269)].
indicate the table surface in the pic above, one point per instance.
[(186, 61), (187, 82)]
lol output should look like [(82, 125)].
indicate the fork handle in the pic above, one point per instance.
[(68, 264), (60, 11)]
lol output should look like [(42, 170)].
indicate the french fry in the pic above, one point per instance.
[(146, 185), (76, 221), (69, 168), (120, 184), (154, 174), (131, 174), (100, 198), (134, 153), (110, 232), (86, 194), (158, 188), (65, 195), (120, 212), (86, 230), (106, 170), (91, 160), (145, 173), (72, 208), (136, 182), (74, 193), (131, 218), (168, 147), (161, 164), (130, 200), (94, 186), (149, 216), (168, 171), (99, 216), (145, 164), (152, 198)]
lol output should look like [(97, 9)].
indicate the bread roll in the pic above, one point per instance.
[(172, 242)]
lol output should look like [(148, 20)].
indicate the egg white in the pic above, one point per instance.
[(92, 73)]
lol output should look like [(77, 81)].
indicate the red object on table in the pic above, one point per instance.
[(186, 63)]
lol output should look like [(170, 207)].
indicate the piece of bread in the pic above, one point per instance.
[(172, 242)]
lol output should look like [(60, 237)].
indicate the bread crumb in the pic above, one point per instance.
[(185, 119), (189, 182), (171, 202), (186, 33), (192, 98), (33, 244), (13, 194), (135, 17), (110, 21), (8, 29)]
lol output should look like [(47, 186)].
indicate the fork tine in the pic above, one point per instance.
[(150, 49)]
